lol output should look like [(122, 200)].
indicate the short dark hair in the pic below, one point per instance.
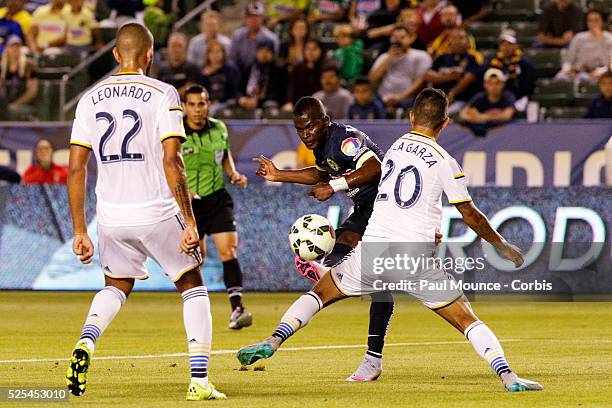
[(330, 68), (430, 108), (362, 80), (607, 74), (602, 14), (310, 106), (196, 89)]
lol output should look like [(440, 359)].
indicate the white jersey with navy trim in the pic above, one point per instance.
[(408, 207), (124, 119)]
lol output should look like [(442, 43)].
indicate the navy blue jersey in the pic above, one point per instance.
[(344, 151)]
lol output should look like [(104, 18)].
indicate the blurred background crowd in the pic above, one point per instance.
[(365, 59)]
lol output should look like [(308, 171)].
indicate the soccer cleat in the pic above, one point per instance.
[(513, 383), (240, 318), (250, 354), (307, 269), (521, 384), (76, 376), (197, 392), (369, 370)]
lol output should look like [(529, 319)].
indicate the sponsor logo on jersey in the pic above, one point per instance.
[(360, 152), (334, 166), (350, 146)]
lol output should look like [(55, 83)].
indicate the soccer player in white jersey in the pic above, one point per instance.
[(134, 126), (432, 171)]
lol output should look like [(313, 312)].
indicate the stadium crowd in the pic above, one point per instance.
[(366, 59)]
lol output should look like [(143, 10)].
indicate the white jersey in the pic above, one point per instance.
[(408, 207), (124, 119)]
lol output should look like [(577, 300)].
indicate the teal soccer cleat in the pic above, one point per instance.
[(250, 354), (520, 385)]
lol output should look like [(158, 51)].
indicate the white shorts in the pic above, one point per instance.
[(348, 277), (124, 250)]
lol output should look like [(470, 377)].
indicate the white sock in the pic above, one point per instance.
[(104, 307), (198, 326), (298, 315), (487, 346)]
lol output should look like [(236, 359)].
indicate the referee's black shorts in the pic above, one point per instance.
[(214, 213)]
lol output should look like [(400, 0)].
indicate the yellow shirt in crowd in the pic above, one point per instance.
[(23, 18), (51, 25)]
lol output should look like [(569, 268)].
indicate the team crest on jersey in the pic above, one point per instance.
[(334, 166), (350, 146)]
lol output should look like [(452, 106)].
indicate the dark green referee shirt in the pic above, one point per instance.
[(203, 153)]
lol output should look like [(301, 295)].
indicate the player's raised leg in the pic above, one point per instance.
[(198, 326), (460, 315), (104, 307), (324, 293)]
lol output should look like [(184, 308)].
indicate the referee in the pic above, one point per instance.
[(207, 155)]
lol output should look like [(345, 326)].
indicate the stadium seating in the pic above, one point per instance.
[(585, 93), (572, 112), (552, 92), (486, 33), (546, 61), (513, 10), (526, 32)]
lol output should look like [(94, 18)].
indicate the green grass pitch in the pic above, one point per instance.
[(565, 346)]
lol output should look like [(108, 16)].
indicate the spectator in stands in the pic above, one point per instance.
[(590, 52), (365, 105), (14, 10), (18, 84), (123, 11), (283, 11), (601, 107), (219, 77), (49, 27), (327, 11), (360, 10), (177, 71), (560, 21), (450, 19), (457, 72), (158, 21), (407, 18), (386, 15), (491, 108), (305, 77), (520, 74), (399, 69), (473, 10), (431, 24), (43, 170), (336, 99), (9, 28), (82, 29), (349, 54), (210, 26), (304, 157), (264, 85), (245, 39), (292, 50)]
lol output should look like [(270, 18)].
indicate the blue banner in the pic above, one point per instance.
[(550, 154), (35, 234)]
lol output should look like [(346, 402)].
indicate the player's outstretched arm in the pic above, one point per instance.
[(368, 173), (477, 221), (267, 169), (174, 168), (77, 176)]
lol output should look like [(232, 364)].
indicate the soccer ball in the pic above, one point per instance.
[(312, 237)]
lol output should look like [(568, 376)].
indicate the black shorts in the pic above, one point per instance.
[(357, 221), (214, 213)]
